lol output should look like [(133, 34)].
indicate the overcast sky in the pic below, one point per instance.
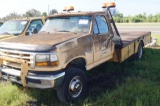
[(127, 7)]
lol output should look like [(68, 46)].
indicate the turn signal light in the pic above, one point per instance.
[(69, 8), (47, 63), (108, 4)]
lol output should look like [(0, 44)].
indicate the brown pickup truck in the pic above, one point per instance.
[(21, 27), (68, 44)]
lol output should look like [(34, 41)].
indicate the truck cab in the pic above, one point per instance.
[(21, 27), (68, 44)]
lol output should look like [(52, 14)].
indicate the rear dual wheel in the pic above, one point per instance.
[(139, 53)]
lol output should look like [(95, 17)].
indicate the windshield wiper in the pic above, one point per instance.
[(44, 31), (67, 31), (63, 31), (7, 33), (16, 34)]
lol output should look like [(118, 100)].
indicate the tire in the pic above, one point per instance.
[(139, 53), (73, 87)]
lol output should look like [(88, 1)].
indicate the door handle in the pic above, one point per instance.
[(110, 37), (107, 41)]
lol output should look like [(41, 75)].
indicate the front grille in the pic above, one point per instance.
[(17, 55), (11, 77)]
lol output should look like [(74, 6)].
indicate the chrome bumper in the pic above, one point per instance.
[(33, 80)]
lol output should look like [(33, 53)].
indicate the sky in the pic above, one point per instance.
[(127, 7)]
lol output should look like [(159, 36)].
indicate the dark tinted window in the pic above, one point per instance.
[(35, 24)]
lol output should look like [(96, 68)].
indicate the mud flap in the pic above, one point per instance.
[(24, 72)]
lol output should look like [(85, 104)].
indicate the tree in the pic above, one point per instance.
[(44, 14), (11, 16), (53, 11), (32, 13), (149, 18)]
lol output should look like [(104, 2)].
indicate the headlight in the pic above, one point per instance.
[(53, 57), (42, 58), (46, 60)]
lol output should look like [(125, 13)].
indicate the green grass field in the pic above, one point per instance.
[(131, 83), (158, 37)]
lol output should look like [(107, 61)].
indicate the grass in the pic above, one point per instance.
[(131, 83), (12, 95), (157, 36)]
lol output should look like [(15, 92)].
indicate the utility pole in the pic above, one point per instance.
[(48, 9)]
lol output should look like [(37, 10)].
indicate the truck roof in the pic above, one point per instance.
[(76, 13), (29, 18)]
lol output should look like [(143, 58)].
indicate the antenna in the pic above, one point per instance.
[(48, 9)]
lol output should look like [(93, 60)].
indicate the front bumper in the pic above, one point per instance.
[(34, 80)]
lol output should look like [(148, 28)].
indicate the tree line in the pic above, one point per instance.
[(120, 18), (29, 13)]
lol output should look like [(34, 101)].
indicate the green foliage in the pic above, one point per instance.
[(119, 18), (135, 92), (137, 83), (11, 95), (158, 37), (53, 11), (12, 15), (32, 13), (44, 14), (29, 13), (131, 83)]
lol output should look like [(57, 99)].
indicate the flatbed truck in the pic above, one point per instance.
[(68, 45)]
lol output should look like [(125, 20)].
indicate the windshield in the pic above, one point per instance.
[(13, 27), (76, 24)]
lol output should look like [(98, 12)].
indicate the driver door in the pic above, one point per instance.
[(102, 40)]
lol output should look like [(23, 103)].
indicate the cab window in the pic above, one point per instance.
[(96, 28), (100, 25), (35, 24)]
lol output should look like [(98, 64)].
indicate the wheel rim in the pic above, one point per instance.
[(140, 52), (75, 87)]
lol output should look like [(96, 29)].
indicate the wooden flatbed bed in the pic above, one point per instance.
[(129, 37), (130, 43)]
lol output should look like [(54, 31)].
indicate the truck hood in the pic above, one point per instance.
[(5, 36), (39, 43)]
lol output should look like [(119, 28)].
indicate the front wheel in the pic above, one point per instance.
[(73, 86)]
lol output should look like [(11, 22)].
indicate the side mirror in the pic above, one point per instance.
[(34, 31), (113, 11), (27, 33)]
